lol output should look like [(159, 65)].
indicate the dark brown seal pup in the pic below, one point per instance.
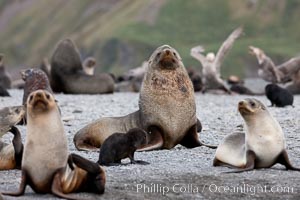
[(67, 73), (5, 80), (167, 108), (46, 166), (254, 148), (278, 96), (119, 146), (11, 154)]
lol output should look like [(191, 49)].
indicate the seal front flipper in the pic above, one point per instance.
[(18, 146), (140, 162), (155, 140), (199, 126), (21, 188), (191, 139), (283, 159), (250, 164)]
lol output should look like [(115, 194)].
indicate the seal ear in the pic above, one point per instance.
[(263, 107)]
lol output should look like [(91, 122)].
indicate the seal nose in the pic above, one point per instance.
[(167, 52), (39, 94), (241, 103)]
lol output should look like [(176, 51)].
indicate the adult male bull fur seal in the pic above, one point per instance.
[(167, 108), (67, 73), (11, 154), (46, 166), (262, 146)]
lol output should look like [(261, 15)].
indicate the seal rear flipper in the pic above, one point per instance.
[(21, 188), (84, 144), (283, 159), (56, 187), (191, 139), (155, 139), (85, 164), (250, 164), (217, 163)]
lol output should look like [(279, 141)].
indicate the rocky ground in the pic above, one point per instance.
[(178, 173)]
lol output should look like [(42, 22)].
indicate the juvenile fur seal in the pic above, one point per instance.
[(278, 96), (67, 73), (46, 166), (119, 146), (254, 148), (5, 80), (211, 64), (11, 154), (167, 108)]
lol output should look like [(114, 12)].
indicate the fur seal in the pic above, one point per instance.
[(3, 92), (67, 73), (132, 80), (35, 79), (167, 108), (119, 146), (5, 80), (46, 166), (196, 79), (278, 96), (89, 65), (11, 154), (254, 148), (211, 64)]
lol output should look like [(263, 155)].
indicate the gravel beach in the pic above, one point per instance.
[(178, 173)]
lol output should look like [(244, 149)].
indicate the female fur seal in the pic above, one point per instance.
[(262, 146), (167, 108), (46, 166), (11, 154)]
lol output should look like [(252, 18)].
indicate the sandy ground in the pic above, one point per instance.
[(178, 173)]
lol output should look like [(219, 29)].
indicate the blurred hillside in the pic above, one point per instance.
[(123, 33)]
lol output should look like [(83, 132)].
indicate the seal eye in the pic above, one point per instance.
[(31, 97), (252, 103), (47, 96), (174, 54), (158, 54)]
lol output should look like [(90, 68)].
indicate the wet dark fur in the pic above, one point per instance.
[(119, 146), (278, 96)]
